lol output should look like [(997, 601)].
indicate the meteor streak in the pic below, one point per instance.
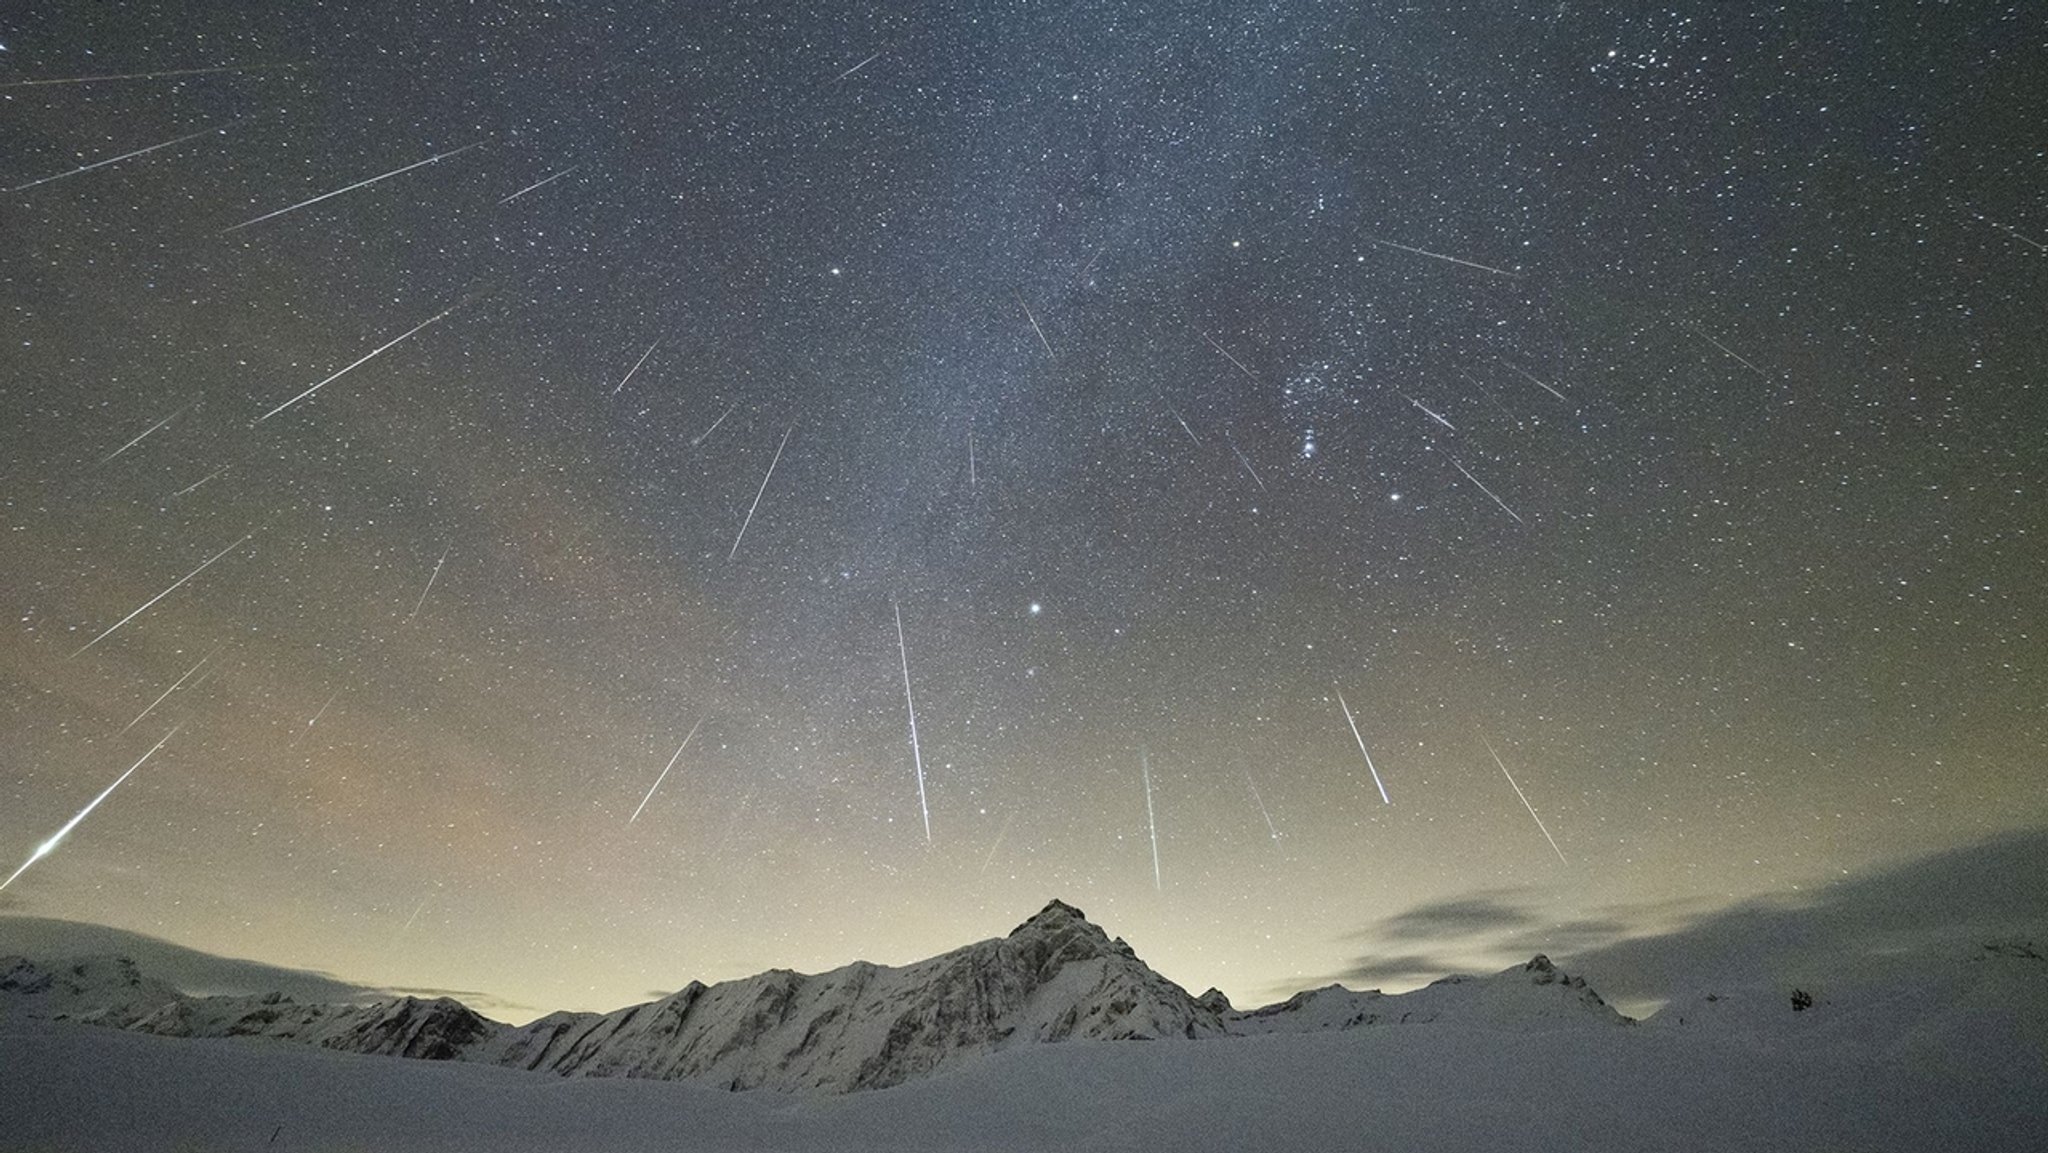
[(167, 592), (1429, 412), (321, 712), (1226, 354), (1000, 834), (856, 68), (1350, 720), (1450, 259), (916, 753), (664, 772), (195, 484), (120, 158), (757, 496), (430, 583), (165, 75), (367, 357), (699, 438), (439, 156), (1539, 384), (541, 183), (1275, 833), (1151, 824), (143, 435), (44, 849), (1034, 322), (167, 692), (1525, 800), (636, 366), (1731, 353), (1246, 462), (1482, 488), (1178, 417)]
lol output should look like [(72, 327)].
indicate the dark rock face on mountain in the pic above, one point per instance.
[(1055, 978)]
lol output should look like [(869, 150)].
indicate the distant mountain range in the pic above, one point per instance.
[(1057, 977)]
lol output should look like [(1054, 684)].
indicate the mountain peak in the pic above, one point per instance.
[(1056, 912)]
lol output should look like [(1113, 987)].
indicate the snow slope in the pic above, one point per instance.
[(1951, 1060)]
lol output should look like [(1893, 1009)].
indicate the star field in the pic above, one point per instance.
[(1656, 397)]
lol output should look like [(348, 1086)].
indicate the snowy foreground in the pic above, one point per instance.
[(1954, 1055)]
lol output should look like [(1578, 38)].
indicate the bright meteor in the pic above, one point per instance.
[(44, 849), (1349, 719)]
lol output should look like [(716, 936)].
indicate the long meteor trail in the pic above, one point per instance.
[(439, 156), (163, 75), (1151, 823), (1525, 800), (167, 592), (757, 496), (917, 754), (118, 159), (1353, 722), (664, 772), (1450, 259), (365, 359), (44, 849)]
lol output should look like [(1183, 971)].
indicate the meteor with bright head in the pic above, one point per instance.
[(45, 849)]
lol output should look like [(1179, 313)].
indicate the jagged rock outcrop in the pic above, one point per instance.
[(437, 1030)]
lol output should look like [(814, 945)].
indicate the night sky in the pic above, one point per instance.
[(1657, 399)]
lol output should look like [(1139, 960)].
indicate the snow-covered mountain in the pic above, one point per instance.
[(1057, 977)]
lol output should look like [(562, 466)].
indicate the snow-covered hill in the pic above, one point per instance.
[(1055, 978), (1953, 1059)]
